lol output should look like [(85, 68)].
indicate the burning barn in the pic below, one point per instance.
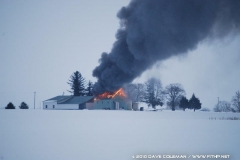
[(108, 101), (113, 101)]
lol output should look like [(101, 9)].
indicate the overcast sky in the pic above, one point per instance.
[(43, 42)]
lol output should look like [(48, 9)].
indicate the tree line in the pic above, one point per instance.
[(152, 93), (173, 95), (23, 105), (224, 106)]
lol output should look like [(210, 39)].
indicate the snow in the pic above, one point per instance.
[(115, 135)]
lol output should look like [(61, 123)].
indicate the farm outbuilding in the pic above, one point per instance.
[(115, 103), (105, 101), (69, 103)]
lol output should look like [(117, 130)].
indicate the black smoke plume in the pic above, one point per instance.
[(154, 30)]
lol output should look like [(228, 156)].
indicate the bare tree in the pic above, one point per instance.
[(130, 91), (236, 101), (174, 93), (135, 92), (140, 92), (223, 106), (154, 93)]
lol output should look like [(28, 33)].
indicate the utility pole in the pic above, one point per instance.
[(218, 100), (34, 99)]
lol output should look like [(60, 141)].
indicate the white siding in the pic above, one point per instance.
[(67, 106), (49, 104)]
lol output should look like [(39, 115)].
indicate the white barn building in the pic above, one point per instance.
[(69, 103)]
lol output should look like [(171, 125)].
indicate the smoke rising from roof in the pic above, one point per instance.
[(154, 30)]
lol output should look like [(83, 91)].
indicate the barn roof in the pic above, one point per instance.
[(58, 98), (77, 100), (71, 99)]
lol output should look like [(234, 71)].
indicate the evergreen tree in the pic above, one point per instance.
[(194, 103), (77, 83), (10, 106), (89, 89), (184, 103), (23, 106), (154, 95)]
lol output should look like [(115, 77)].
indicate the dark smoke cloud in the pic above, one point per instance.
[(154, 30)]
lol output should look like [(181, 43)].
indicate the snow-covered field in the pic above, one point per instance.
[(115, 135)]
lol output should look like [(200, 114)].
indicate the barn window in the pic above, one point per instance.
[(53, 106), (46, 106)]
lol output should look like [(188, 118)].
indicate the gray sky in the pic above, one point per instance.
[(43, 42)]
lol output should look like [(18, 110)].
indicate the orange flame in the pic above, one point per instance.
[(109, 95)]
